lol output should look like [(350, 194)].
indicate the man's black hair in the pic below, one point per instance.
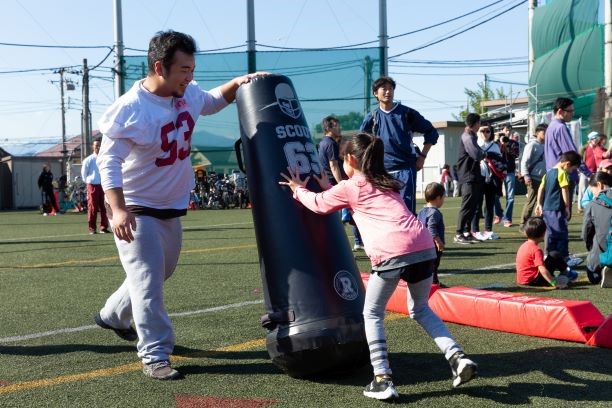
[(165, 44), (383, 80), (562, 103), (472, 119)]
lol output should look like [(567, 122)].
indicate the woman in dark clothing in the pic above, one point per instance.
[(45, 184)]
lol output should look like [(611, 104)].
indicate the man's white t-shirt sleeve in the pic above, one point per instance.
[(213, 101)]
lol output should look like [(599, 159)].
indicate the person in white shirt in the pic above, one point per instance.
[(146, 172), (95, 195)]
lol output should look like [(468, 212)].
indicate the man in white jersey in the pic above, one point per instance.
[(95, 196), (146, 174)]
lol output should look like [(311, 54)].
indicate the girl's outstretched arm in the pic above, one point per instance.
[(293, 179)]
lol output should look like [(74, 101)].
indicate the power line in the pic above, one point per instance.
[(53, 46), (376, 41), (460, 32), (447, 21)]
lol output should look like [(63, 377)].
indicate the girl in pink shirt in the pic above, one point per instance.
[(399, 247)]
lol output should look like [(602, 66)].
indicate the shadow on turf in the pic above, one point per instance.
[(559, 364), (46, 350)]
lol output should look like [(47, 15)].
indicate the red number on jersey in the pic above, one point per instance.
[(185, 117), (170, 147), (166, 146)]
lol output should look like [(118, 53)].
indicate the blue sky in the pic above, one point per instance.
[(30, 101)]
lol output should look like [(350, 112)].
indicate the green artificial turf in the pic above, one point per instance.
[(54, 276)]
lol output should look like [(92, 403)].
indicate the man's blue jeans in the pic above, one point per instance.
[(509, 184)]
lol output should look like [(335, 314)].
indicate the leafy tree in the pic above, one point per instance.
[(476, 97), (350, 121)]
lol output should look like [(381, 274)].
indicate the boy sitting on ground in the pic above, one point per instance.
[(532, 268)]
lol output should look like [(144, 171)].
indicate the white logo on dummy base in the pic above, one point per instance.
[(346, 286)]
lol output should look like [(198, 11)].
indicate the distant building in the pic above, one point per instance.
[(21, 164)]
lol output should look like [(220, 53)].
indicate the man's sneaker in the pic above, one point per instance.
[(470, 238), (160, 370), (480, 236), (606, 277), (461, 239), (594, 276), (358, 247), (463, 368), (128, 334), (573, 261), (491, 235), (507, 224), (381, 388)]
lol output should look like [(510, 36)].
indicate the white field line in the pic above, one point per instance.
[(93, 326)]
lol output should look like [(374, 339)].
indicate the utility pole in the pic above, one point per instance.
[(86, 115), (69, 85), (382, 37), (251, 52), (367, 92), (119, 88), (64, 151), (531, 60)]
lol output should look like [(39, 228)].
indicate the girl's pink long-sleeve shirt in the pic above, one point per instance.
[(387, 227)]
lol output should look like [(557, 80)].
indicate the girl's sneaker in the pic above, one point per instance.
[(381, 388), (463, 368)]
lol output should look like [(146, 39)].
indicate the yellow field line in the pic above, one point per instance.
[(115, 258), (128, 368)]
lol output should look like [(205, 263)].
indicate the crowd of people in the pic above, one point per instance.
[(219, 191), (370, 179)]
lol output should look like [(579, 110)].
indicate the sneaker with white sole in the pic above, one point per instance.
[(160, 370), (461, 239), (463, 368), (491, 235), (381, 388), (470, 238), (358, 247), (480, 236), (573, 261), (606, 277)]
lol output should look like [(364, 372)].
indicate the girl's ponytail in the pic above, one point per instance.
[(370, 152)]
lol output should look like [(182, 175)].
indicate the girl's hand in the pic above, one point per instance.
[(293, 179), (323, 180)]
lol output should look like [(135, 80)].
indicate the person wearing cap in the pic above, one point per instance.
[(592, 157), (595, 150)]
